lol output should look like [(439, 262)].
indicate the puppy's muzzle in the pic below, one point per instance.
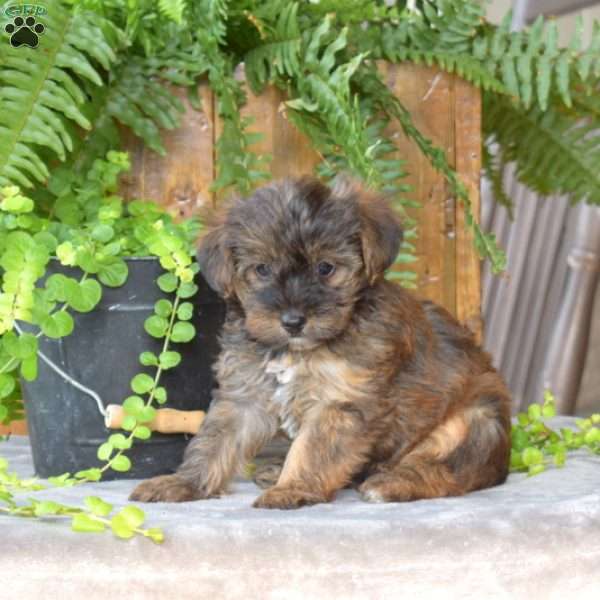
[(293, 321)]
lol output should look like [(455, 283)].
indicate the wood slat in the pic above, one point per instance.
[(429, 96), (180, 180), (291, 152), (15, 428), (467, 121)]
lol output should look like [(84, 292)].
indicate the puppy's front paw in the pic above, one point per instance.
[(166, 488), (287, 498)]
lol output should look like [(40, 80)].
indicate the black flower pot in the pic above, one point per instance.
[(102, 353)]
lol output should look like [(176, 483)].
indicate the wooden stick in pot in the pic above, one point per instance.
[(167, 420)]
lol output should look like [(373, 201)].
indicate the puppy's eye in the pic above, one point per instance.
[(325, 269), (263, 270)]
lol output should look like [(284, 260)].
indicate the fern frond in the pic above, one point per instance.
[(530, 64), (172, 9), (236, 165), (279, 52), (41, 93), (555, 152)]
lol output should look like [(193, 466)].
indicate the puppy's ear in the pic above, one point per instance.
[(380, 234), (215, 259)]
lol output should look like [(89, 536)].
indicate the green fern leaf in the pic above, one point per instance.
[(554, 151), (40, 96), (172, 9)]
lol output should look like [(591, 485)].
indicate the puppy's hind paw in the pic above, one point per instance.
[(166, 488)]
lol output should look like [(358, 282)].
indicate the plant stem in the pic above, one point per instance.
[(157, 375)]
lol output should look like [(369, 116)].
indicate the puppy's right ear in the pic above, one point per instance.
[(216, 261)]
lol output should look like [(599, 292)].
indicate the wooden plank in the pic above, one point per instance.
[(180, 180), (292, 154), (468, 165), (15, 428), (429, 96)]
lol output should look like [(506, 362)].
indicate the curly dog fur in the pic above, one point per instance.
[(374, 386)]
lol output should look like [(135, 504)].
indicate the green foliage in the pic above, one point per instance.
[(97, 516), (172, 9), (123, 56), (535, 445), (90, 228), (553, 151), (42, 93)]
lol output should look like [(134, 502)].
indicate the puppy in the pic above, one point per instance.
[(373, 386)]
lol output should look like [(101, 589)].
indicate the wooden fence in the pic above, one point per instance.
[(444, 107)]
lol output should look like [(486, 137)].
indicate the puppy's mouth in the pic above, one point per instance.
[(300, 342)]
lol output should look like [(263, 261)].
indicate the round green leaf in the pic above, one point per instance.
[(160, 394), (7, 384), (57, 325), (592, 435), (113, 272), (532, 456), (85, 524), (147, 414), (163, 308), (142, 383), (185, 311), (534, 411), (129, 423), (520, 439), (183, 332), (148, 359), (16, 204), (104, 451), (87, 261), (121, 528), (167, 282), (56, 286), (103, 233), (66, 253), (121, 463), (133, 516), (29, 368), (98, 506), (119, 441), (46, 507), (133, 405), (535, 469), (169, 359), (46, 239), (84, 295), (156, 326), (20, 346), (141, 432), (187, 290)]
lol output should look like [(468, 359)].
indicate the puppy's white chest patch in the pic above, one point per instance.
[(283, 398)]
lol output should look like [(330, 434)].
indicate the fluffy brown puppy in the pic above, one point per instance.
[(372, 385)]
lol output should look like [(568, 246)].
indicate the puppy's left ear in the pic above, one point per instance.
[(216, 261), (381, 234)]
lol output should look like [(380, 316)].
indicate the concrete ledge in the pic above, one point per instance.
[(530, 538)]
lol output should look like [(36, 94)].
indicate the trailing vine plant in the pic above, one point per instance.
[(536, 445), (90, 229)]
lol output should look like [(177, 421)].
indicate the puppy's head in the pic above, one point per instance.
[(297, 255)]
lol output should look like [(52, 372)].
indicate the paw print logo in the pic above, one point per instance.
[(24, 32)]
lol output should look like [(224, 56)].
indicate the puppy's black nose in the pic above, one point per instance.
[(293, 321)]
